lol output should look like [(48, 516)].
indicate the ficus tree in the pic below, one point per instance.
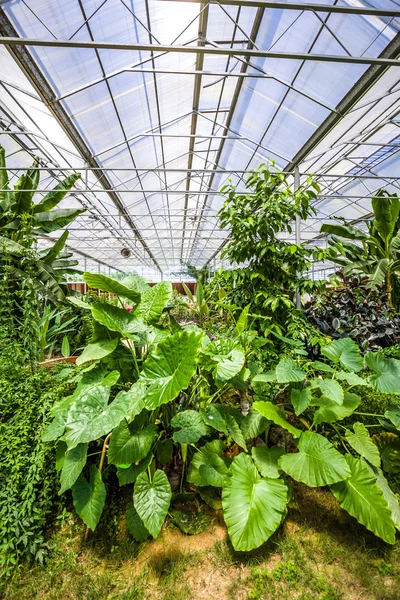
[(269, 269)]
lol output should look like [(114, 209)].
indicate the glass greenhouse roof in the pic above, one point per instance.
[(159, 102)]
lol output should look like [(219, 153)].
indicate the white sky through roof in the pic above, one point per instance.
[(146, 117)]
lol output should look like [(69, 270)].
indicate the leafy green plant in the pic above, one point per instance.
[(28, 476), (22, 220), (374, 252), (197, 401), (52, 329), (199, 304)]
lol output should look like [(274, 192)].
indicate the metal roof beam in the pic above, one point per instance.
[(361, 60), (34, 74), (347, 10)]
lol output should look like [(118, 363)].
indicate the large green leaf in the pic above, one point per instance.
[(46, 222), (389, 496), (169, 368), (351, 378), (330, 412), (300, 399), (118, 319), (130, 474), (287, 370), (87, 405), (393, 414), (234, 430), (346, 352), (253, 425), (224, 358), (212, 417), (241, 323), (91, 417), (362, 443), (387, 373), (55, 196), (331, 389), (346, 231), (362, 498), (229, 366), (208, 455), (97, 350), (266, 460), (74, 462), (386, 212), (273, 413), (154, 301), (136, 283), (22, 198), (51, 254), (389, 448), (191, 427), (135, 525), (253, 506), (10, 247), (106, 284), (89, 497), (379, 274), (128, 445), (317, 463), (151, 500), (213, 471)]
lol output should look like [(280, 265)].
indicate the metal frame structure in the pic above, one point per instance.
[(239, 83)]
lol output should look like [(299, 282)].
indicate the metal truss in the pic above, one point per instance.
[(165, 211)]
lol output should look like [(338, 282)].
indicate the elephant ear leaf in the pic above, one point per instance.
[(393, 414), (363, 499), (317, 463), (253, 506), (112, 286), (169, 368), (154, 301), (390, 497), (129, 444), (74, 461), (346, 352), (191, 427), (97, 350), (152, 499), (273, 413), (386, 374), (135, 525), (362, 443), (89, 497)]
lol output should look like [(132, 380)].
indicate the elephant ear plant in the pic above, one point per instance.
[(161, 366), (185, 393), (136, 428)]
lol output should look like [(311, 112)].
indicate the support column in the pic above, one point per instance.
[(298, 234)]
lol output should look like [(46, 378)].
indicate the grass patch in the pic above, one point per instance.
[(320, 553)]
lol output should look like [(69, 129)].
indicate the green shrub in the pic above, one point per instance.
[(373, 402), (28, 480)]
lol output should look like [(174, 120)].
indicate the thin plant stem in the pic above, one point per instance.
[(102, 459)]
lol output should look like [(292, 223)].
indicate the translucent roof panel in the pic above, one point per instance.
[(156, 131)]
